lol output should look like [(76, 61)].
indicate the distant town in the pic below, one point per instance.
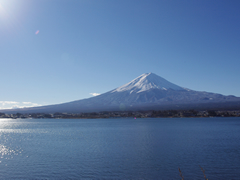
[(127, 114)]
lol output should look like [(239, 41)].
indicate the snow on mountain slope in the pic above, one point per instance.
[(146, 82)]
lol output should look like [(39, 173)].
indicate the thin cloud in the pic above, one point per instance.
[(7, 102), (15, 105), (94, 94), (27, 102)]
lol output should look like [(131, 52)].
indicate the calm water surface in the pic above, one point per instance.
[(120, 148)]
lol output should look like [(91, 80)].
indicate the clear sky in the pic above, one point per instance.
[(54, 51)]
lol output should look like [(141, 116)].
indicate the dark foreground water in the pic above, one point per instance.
[(120, 148)]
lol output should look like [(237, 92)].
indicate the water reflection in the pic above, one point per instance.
[(7, 153)]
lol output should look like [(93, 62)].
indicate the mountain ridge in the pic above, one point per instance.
[(146, 91)]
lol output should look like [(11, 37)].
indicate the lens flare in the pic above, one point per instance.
[(37, 32)]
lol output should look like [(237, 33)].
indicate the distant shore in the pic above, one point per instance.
[(127, 114)]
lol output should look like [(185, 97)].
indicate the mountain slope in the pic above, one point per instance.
[(147, 91)]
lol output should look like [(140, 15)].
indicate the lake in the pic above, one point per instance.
[(149, 148)]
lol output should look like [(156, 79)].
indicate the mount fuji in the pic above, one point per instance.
[(147, 92)]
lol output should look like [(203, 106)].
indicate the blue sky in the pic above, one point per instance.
[(54, 51)]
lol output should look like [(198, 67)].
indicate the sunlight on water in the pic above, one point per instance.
[(20, 131), (8, 153), (7, 148)]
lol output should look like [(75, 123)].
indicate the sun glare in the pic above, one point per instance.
[(11, 6), (5, 2), (3, 12), (1, 8), (12, 13)]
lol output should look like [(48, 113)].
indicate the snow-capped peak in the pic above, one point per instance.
[(147, 81)]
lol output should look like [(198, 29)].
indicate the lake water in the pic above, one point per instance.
[(120, 148)]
